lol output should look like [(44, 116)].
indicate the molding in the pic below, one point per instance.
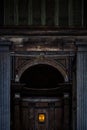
[(52, 63), (81, 46), (5, 46), (5, 43)]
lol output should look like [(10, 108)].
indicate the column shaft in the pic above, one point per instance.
[(82, 88), (4, 88)]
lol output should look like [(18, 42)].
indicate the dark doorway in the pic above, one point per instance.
[(42, 101)]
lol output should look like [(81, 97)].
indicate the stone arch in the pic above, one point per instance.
[(52, 63)]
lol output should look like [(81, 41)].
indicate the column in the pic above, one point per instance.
[(82, 86), (70, 13), (43, 12), (16, 13), (82, 13), (56, 15), (6, 12), (4, 86), (30, 19)]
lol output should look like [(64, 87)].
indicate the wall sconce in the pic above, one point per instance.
[(41, 118)]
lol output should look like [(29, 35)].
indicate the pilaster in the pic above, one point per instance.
[(4, 86), (82, 86)]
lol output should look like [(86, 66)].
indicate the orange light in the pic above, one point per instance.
[(41, 117)]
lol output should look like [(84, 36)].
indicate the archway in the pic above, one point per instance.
[(43, 95), (42, 76), (58, 66)]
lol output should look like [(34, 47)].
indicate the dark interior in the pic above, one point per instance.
[(41, 76)]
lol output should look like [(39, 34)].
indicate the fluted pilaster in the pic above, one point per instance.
[(82, 86), (4, 86)]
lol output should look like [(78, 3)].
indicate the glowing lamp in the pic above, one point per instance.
[(41, 118)]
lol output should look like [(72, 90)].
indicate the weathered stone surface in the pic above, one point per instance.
[(82, 86), (4, 86)]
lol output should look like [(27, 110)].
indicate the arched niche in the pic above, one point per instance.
[(44, 61)]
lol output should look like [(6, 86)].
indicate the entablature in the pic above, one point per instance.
[(43, 40)]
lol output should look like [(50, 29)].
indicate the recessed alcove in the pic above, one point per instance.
[(42, 76)]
